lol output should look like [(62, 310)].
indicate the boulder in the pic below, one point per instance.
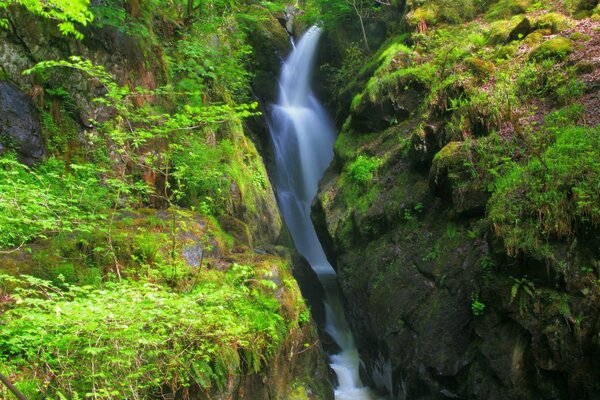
[(523, 29), (20, 127)]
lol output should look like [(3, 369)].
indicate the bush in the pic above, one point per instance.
[(136, 339), (49, 199)]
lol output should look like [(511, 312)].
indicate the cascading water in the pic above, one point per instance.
[(303, 138)]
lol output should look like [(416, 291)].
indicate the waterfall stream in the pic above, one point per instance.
[(303, 136)]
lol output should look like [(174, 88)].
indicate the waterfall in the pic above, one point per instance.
[(303, 136)]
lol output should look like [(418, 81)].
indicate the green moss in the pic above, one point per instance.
[(426, 13), (449, 156), (535, 38), (549, 195), (505, 52), (559, 48), (480, 67), (579, 36), (500, 30), (554, 21), (506, 8)]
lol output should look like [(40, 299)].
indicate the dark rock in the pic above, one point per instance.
[(373, 117), (522, 29), (425, 144), (311, 288), (20, 127), (236, 228)]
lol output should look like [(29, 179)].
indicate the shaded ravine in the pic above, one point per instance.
[(303, 137)]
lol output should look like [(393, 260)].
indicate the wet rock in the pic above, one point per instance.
[(20, 127)]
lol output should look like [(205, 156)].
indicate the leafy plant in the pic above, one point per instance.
[(477, 307), (137, 339), (362, 169), (68, 13)]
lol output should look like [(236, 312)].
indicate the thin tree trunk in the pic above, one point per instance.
[(362, 25), (12, 388)]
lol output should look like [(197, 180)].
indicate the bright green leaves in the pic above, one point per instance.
[(35, 203), (68, 13), (362, 170), (136, 339)]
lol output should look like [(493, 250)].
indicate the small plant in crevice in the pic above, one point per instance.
[(362, 170), (523, 289), (477, 306)]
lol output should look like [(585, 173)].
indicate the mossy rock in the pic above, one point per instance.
[(535, 38), (506, 8), (446, 167), (480, 67), (557, 48), (506, 52), (427, 14), (580, 36), (500, 30), (554, 21), (237, 229), (581, 8), (520, 31), (584, 67)]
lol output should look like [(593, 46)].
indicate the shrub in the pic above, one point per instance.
[(137, 339)]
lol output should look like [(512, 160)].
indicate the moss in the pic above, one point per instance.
[(500, 30), (427, 14), (506, 8), (505, 52), (559, 48), (579, 36), (535, 38), (584, 67), (480, 67), (450, 155), (554, 21)]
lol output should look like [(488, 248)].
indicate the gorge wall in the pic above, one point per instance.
[(454, 219)]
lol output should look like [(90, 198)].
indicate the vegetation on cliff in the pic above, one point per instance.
[(480, 217), (127, 255)]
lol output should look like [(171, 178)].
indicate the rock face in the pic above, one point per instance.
[(20, 128), (438, 307)]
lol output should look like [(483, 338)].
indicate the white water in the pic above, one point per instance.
[(303, 137)]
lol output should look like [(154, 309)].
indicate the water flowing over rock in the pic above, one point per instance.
[(303, 138)]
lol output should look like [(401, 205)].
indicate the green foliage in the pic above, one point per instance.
[(432, 11), (213, 59), (523, 289), (137, 339), (68, 13), (361, 171), (551, 194), (477, 307), (50, 199)]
